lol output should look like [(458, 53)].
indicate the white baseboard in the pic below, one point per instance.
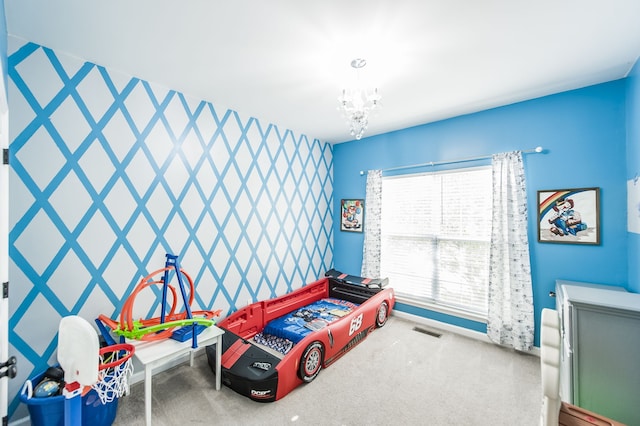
[(451, 328)]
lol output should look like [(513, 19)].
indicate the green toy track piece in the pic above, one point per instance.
[(140, 331)]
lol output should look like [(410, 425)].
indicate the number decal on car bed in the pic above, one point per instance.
[(356, 322)]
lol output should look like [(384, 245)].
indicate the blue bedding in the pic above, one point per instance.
[(297, 324)]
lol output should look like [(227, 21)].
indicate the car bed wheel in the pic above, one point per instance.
[(311, 362), (382, 314)]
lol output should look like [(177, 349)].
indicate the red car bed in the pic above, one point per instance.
[(271, 347)]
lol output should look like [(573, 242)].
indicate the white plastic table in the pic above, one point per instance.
[(158, 353)]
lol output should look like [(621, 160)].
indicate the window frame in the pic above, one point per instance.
[(431, 303)]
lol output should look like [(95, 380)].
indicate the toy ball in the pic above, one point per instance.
[(46, 388), (54, 373)]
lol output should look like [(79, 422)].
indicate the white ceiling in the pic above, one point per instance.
[(286, 61)]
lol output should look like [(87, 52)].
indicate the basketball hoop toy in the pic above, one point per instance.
[(87, 366), (114, 372), (78, 354)]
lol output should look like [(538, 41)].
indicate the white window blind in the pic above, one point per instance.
[(436, 230)]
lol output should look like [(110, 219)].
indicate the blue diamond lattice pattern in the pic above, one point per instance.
[(109, 173)]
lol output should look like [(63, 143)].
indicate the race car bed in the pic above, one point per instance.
[(271, 347)]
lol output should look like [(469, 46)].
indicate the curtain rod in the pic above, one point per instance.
[(536, 150)]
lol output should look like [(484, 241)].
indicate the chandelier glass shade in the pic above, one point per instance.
[(357, 103)]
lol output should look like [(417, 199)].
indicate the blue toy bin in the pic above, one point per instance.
[(49, 411)]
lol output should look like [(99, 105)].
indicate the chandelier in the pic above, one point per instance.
[(357, 103)]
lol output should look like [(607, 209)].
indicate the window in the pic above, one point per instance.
[(436, 231)]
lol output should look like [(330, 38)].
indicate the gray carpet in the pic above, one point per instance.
[(396, 376)]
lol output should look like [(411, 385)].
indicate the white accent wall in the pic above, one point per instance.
[(109, 173)]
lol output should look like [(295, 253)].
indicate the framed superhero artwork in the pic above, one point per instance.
[(352, 215), (570, 216)]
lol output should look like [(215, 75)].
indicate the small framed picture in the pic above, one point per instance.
[(352, 215), (570, 216)]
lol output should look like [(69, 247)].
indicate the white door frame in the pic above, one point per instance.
[(4, 248)]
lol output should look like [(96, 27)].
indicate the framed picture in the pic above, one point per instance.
[(569, 216), (352, 215)]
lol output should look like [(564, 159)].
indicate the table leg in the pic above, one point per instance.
[(218, 361), (147, 395)]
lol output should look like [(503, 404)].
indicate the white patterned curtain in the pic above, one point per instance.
[(510, 314), (372, 217)]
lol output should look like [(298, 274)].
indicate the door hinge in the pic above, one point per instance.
[(5, 155), (9, 368), (5, 290)]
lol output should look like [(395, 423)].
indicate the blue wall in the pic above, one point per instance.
[(633, 167), (583, 134)]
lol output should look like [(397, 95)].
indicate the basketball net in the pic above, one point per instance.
[(114, 372)]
